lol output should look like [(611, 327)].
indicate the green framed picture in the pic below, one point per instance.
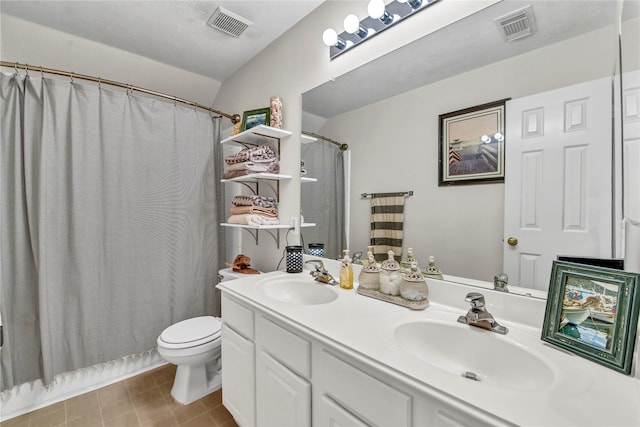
[(593, 312), (257, 117)]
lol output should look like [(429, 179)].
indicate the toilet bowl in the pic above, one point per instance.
[(193, 345)]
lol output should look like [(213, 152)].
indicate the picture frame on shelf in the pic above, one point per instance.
[(592, 311), (253, 118), (471, 145)]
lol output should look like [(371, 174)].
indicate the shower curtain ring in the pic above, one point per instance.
[(26, 70)]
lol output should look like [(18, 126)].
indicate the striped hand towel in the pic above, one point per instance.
[(387, 222)]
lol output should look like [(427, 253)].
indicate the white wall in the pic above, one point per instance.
[(27, 43)]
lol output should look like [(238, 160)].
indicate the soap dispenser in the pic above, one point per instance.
[(346, 271), (390, 276), (369, 275), (413, 286)]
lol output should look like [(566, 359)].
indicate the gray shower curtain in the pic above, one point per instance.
[(323, 201), (109, 211)]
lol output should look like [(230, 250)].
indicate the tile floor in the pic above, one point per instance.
[(140, 401)]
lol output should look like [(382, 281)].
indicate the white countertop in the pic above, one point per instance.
[(583, 393)]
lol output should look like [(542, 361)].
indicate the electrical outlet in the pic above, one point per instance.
[(295, 225)]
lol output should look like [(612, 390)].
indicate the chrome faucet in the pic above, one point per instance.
[(479, 316), (320, 273)]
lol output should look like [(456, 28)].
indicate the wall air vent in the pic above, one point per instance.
[(517, 24), (228, 22)]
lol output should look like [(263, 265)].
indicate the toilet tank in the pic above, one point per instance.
[(228, 274)]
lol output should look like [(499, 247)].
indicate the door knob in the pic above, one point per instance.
[(512, 241)]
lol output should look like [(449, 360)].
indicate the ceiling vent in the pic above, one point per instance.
[(228, 22), (517, 24)]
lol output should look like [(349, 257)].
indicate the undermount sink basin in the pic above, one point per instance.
[(474, 353), (299, 291)]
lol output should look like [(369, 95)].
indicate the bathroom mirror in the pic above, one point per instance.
[(387, 111)]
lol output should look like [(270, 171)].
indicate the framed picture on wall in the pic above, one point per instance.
[(471, 145), (253, 118), (593, 312)]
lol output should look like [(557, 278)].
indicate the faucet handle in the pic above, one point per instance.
[(317, 264), (476, 299)]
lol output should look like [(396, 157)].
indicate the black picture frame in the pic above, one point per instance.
[(593, 312), (472, 144)]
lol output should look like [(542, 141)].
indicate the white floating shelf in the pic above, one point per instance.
[(256, 227), (257, 135), (308, 224), (257, 177), (308, 179)]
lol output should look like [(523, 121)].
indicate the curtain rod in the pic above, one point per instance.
[(401, 193), (342, 146), (235, 118)]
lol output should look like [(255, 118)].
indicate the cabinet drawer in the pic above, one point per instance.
[(238, 317), (285, 346), (366, 397)]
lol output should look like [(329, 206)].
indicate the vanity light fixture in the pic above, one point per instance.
[(380, 18), (413, 3)]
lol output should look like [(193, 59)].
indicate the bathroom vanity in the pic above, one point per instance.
[(299, 353)]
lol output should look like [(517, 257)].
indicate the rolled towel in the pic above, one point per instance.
[(247, 168), (263, 152), (255, 200)]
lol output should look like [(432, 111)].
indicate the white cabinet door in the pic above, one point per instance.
[(238, 377), (284, 399)]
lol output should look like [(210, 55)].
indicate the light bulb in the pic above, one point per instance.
[(486, 139), (330, 37), (376, 9), (498, 136), (351, 24)]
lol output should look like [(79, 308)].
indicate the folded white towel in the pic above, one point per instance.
[(252, 219)]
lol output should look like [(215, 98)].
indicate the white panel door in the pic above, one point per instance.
[(558, 180), (631, 141)]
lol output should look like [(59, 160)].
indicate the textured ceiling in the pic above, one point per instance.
[(171, 32)]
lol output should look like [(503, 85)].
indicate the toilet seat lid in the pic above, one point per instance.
[(192, 330)]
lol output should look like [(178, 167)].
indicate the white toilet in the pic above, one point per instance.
[(194, 346)]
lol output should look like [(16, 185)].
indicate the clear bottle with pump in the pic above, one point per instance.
[(346, 271)]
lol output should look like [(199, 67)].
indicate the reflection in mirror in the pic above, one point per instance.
[(388, 110), (323, 201)]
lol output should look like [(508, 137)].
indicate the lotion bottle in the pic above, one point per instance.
[(346, 271)]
